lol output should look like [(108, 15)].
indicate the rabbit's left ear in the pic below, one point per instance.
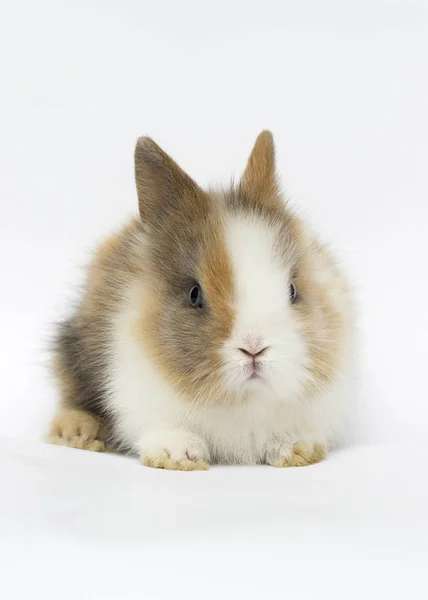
[(259, 183)]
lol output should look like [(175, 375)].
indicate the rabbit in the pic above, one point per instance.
[(214, 328)]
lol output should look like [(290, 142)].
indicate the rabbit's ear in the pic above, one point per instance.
[(259, 182), (162, 186)]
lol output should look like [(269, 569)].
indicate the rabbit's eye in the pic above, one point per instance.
[(293, 292), (196, 298)]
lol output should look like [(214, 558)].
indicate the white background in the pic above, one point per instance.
[(344, 88)]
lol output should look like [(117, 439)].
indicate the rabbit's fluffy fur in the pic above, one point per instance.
[(215, 327)]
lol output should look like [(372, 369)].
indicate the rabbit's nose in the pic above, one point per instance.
[(253, 354)]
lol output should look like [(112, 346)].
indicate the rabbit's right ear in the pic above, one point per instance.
[(162, 186), (259, 182)]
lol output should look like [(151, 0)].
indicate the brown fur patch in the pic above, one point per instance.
[(216, 273), (114, 263), (184, 342), (321, 318)]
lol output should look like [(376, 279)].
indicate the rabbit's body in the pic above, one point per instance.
[(214, 328)]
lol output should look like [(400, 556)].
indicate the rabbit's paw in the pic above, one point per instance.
[(300, 454), (76, 429), (175, 450)]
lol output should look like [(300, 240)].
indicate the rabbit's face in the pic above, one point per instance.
[(237, 303)]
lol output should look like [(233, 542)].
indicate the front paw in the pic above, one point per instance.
[(300, 454), (76, 429), (174, 450)]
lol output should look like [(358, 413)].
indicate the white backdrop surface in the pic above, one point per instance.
[(344, 88)]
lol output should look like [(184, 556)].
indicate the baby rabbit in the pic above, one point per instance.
[(215, 327)]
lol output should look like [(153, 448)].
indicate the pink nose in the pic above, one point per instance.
[(252, 354)]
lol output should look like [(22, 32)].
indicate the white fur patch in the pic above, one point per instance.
[(264, 315)]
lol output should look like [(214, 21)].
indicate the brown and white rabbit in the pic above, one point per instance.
[(213, 328)]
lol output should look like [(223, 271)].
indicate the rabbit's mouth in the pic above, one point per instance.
[(256, 371)]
